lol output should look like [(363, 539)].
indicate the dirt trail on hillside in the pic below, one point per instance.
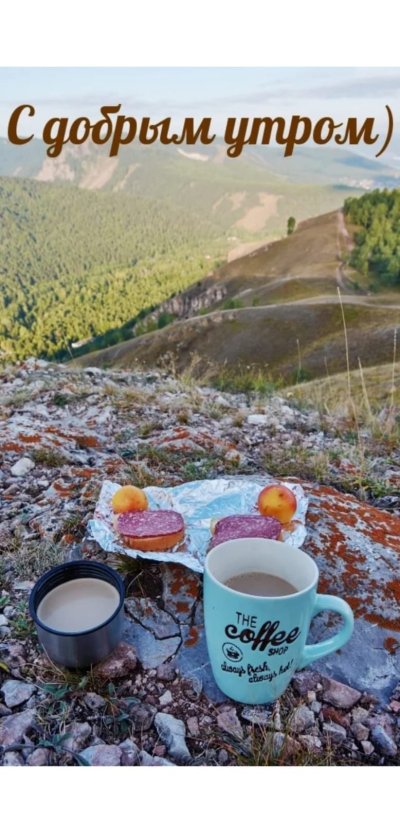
[(343, 241)]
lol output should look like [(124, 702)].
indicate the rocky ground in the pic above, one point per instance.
[(154, 702)]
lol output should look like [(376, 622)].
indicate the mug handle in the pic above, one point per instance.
[(316, 650)]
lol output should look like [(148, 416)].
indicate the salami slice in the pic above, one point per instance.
[(151, 530), (150, 524), (245, 525)]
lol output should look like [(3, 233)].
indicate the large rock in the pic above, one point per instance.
[(357, 550), (193, 662), (181, 589), (16, 692), (301, 719), (39, 757), (151, 650), (172, 733), (383, 741), (338, 694), (148, 760), (22, 467), (119, 664), (158, 621), (228, 721), (77, 736), (14, 727), (130, 752), (102, 755)]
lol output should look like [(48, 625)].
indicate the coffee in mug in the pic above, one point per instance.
[(260, 583), (259, 599)]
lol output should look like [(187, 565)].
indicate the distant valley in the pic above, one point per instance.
[(98, 250)]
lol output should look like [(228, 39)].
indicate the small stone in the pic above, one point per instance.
[(3, 620), (233, 456), (159, 751), (142, 715), (304, 682), (257, 716), (257, 419), (301, 719), (94, 701), (165, 699), (383, 742), (311, 696), (16, 692), (22, 467), (222, 401), (4, 712), (394, 705), (103, 755), (130, 753), (39, 757), (193, 726), (336, 733), (172, 733), (119, 664), (13, 759), (340, 695), (311, 743), (24, 585), (78, 735), (360, 731), (277, 744), (166, 672), (229, 722), (334, 715), (5, 631), (367, 747), (147, 760), (15, 727), (359, 714), (223, 757), (315, 706)]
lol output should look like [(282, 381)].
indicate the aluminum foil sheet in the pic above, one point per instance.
[(200, 503)]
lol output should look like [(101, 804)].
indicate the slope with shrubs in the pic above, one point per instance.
[(76, 263)]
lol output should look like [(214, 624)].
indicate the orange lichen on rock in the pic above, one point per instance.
[(85, 473), (87, 441), (30, 438), (64, 490), (192, 637), (391, 644), (11, 447), (184, 582), (357, 549)]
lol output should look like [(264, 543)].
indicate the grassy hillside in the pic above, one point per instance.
[(372, 389), (281, 315), (266, 338)]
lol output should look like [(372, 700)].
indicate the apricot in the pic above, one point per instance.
[(277, 501), (129, 499)]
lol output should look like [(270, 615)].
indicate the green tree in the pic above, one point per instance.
[(291, 225)]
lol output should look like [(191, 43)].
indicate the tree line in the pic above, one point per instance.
[(377, 239), (76, 263)]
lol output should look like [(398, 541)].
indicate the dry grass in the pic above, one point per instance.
[(27, 560), (49, 457)]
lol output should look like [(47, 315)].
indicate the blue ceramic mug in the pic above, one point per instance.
[(256, 643)]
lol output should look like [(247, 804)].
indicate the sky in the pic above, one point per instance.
[(200, 92)]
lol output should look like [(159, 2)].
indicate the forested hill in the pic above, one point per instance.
[(377, 241), (75, 263)]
